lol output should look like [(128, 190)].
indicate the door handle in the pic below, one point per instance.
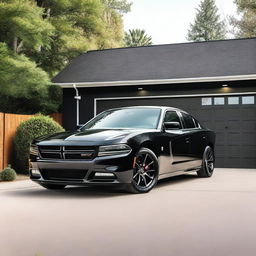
[(187, 140)]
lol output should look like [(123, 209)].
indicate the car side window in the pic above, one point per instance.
[(188, 121), (196, 123), (172, 116)]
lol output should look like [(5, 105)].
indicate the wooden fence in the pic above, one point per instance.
[(8, 126)]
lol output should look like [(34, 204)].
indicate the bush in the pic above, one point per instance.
[(27, 131), (8, 174)]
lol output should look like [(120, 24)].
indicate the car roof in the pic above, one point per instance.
[(159, 107)]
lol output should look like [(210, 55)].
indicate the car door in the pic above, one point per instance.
[(176, 140), (196, 138)]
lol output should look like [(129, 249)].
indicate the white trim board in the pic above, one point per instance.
[(168, 96), (158, 81)]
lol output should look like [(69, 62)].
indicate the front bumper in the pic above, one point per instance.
[(119, 170)]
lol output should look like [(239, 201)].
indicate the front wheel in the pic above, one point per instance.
[(207, 164), (53, 186), (145, 172)]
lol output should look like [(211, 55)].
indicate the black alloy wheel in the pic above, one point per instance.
[(145, 172), (208, 163)]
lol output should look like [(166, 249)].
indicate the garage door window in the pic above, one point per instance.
[(206, 101), (233, 100), (219, 101), (248, 100)]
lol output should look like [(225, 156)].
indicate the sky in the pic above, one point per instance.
[(167, 21)]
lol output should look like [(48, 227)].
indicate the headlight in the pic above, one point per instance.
[(33, 150), (110, 150)]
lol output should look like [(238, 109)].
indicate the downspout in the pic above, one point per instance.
[(77, 98)]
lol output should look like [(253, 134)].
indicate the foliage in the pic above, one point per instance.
[(137, 37), (22, 25), (8, 174), (25, 88), (38, 38), (80, 25), (27, 131), (122, 6), (207, 24), (246, 25)]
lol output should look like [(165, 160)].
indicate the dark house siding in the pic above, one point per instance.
[(89, 94)]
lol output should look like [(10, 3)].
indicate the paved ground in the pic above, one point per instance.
[(181, 216)]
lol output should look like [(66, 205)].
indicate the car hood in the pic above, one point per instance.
[(88, 137)]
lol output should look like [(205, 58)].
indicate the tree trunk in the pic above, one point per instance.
[(15, 43), (19, 48)]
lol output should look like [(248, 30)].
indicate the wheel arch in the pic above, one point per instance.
[(149, 144)]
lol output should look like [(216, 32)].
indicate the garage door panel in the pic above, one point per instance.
[(219, 151), (234, 151), (219, 126), (219, 114), (248, 125), (248, 151), (248, 138), (248, 113), (250, 162), (233, 125), (234, 138)]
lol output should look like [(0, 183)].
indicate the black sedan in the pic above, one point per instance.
[(133, 147)]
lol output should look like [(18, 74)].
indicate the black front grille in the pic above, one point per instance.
[(63, 174), (67, 152)]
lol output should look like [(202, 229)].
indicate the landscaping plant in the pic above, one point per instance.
[(8, 174), (27, 131)]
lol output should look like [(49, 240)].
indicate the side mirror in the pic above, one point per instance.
[(171, 125)]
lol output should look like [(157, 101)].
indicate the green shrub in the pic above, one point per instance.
[(8, 174), (27, 131)]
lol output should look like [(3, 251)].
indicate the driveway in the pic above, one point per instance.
[(181, 216)]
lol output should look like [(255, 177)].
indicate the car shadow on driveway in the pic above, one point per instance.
[(175, 180), (91, 192), (68, 192)]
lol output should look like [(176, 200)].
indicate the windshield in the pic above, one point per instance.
[(126, 118)]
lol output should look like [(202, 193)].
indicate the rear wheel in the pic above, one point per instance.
[(145, 172), (207, 164), (53, 186)]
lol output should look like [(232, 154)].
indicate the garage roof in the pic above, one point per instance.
[(186, 62)]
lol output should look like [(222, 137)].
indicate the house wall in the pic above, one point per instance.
[(89, 95)]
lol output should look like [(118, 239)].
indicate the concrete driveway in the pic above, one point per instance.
[(181, 216)]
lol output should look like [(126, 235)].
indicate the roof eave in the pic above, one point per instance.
[(158, 81)]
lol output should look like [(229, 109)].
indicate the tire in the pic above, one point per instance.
[(207, 163), (145, 173), (53, 186)]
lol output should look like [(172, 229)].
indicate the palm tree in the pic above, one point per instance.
[(137, 37)]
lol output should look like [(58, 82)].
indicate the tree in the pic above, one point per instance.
[(137, 37), (246, 25), (25, 88), (44, 35), (207, 24), (80, 25)]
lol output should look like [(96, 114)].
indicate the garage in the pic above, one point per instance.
[(214, 81), (233, 118)]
